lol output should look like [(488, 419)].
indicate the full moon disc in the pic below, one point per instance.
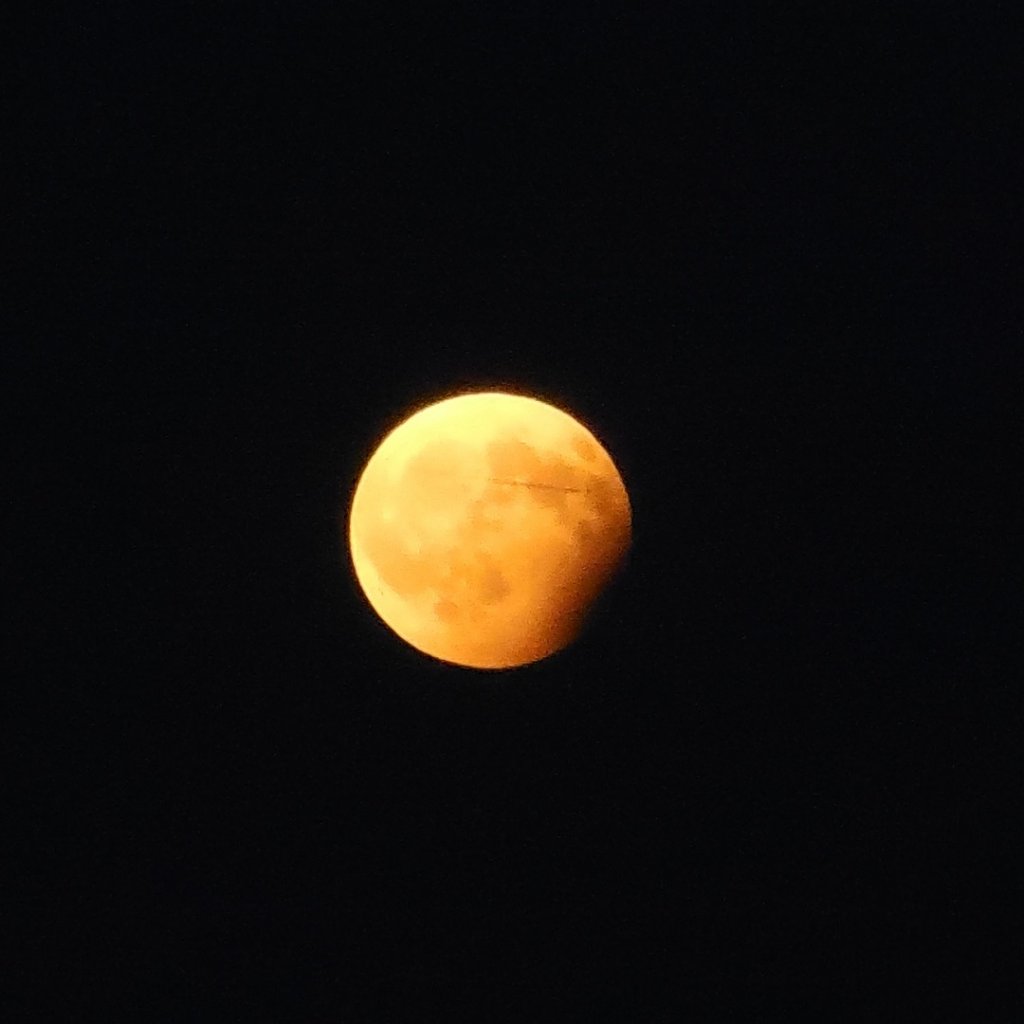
[(484, 527)]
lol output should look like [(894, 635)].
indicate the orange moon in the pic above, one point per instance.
[(485, 526)]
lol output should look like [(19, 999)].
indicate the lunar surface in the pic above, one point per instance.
[(484, 527)]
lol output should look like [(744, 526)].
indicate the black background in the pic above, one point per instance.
[(770, 254)]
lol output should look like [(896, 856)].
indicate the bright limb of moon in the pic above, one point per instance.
[(484, 527)]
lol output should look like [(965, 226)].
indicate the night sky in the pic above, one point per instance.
[(771, 256)]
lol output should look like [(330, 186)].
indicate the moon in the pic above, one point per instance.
[(484, 527)]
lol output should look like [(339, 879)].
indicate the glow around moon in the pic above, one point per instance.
[(484, 527)]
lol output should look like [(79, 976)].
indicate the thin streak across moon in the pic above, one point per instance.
[(543, 487), (484, 526)]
